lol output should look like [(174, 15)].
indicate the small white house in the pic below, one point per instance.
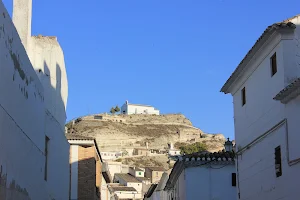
[(108, 155), (265, 89), (172, 151), (129, 109), (129, 181), (136, 172), (122, 192), (203, 176)]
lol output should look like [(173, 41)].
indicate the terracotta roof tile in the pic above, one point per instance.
[(78, 137), (198, 160)]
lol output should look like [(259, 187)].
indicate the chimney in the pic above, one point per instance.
[(22, 14)]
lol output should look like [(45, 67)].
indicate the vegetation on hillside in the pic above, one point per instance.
[(114, 110), (191, 148)]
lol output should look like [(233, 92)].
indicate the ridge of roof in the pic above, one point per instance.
[(259, 42), (78, 137), (198, 159), (150, 191)]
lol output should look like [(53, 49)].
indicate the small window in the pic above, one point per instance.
[(243, 96), (46, 158), (140, 173), (278, 168), (233, 177), (273, 64)]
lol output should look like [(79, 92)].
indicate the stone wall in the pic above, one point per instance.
[(141, 118)]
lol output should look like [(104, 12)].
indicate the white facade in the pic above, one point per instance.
[(26, 120), (129, 109), (211, 181), (114, 167), (108, 155), (136, 172), (262, 123), (135, 184), (174, 152)]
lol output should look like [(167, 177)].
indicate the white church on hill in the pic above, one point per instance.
[(129, 109)]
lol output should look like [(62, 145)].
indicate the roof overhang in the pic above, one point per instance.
[(277, 27), (289, 92), (88, 142)]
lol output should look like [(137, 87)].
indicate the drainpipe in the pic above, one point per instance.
[(210, 184), (238, 177)]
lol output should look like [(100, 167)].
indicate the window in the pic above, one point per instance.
[(278, 168), (243, 96), (273, 64), (140, 173), (233, 179), (46, 157)]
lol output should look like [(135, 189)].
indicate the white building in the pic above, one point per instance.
[(172, 151), (136, 172), (156, 191), (110, 155), (265, 90), (130, 181), (34, 153), (129, 109), (122, 192), (202, 176)]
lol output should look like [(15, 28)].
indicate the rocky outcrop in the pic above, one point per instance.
[(120, 132)]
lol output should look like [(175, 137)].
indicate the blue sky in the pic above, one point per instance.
[(172, 54)]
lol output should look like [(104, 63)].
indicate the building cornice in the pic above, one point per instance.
[(277, 27)]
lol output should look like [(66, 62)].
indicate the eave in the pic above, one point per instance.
[(251, 53), (289, 92)]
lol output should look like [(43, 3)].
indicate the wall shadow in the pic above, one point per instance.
[(86, 182), (52, 94)]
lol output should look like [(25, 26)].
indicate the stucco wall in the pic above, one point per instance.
[(58, 159), (261, 113), (134, 109), (22, 135), (209, 183), (47, 59)]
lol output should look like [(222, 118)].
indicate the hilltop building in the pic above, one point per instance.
[(265, 89), (34, 152), (129, 109)]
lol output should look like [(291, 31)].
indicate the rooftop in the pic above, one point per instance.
[(136, 169), (151, 190), (285, 25), (78, 137), (198, 160), (122, 188), (127, 177), (289, 92), (156, 168)]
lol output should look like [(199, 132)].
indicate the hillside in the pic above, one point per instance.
[(123, 132)]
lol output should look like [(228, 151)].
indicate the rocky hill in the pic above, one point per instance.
[(125, 132)]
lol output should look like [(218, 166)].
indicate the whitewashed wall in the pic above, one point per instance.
[(22, 119), (209, 183), (260, 113), (46, 54), (134, 109)]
